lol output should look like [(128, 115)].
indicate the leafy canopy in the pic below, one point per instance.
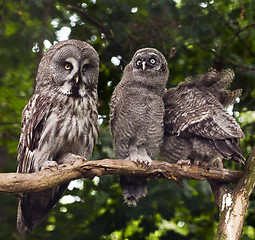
[(193, 36)]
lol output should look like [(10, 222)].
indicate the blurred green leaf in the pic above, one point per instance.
[(194, 36)]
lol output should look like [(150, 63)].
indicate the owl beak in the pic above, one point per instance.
[(77, 79), (143, 65)]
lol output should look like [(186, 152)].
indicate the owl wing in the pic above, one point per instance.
[(33, 119), (189, 110), (33, 207)]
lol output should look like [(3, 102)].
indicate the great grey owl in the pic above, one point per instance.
[(59, 119), (197, 127), (136, 116)]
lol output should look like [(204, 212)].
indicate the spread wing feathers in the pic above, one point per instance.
[(195, 108), (33, 207), (228, 97), (198, 113), (216, 83), (212, 81)]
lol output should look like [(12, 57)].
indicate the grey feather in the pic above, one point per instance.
[(60, 118), (136, 115), (197, 126)]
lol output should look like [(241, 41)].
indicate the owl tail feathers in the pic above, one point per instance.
[(20, 222), (28, 216), (133, 188), (229, 149), (34, 207)]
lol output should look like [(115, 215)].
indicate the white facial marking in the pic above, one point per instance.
[(82, 90), (66, 88), (75, 64)]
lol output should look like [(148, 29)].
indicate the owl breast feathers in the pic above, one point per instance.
[(136, 116), (197, 127), (59, 120)]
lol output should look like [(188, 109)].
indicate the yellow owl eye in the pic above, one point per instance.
[(152, 61), (84, 68), (138, 63), (67, 66)]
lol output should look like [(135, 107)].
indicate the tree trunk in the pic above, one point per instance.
[(234, 203)]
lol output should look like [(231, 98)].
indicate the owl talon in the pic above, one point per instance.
[(143, 163), (196, 163), (136, 163), (148, 164), (50, 165), (184, 162), (69, 158)]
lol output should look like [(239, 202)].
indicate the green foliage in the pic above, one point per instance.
[(194, 36)]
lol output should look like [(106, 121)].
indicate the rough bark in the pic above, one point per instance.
[(234, 203), (33, 182)]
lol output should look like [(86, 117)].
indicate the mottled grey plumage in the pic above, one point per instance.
[(60, 118), (197, 127), (136, 116)]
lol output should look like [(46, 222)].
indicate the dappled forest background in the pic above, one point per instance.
[(193, 36)]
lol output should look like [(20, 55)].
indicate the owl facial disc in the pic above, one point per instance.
[(73, 71)]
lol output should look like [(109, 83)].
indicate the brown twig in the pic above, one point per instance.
[(222, 58), (236, 35), (228, 25)]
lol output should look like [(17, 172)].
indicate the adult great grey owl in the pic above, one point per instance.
[(197, 127), (136, 116), (60, 119)]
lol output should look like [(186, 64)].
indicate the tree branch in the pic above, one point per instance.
[(229, 26), (100, 27), (237, 35), (222, 58), (48, 178)]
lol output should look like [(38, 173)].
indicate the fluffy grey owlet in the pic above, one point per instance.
[(60, 119), (197, 126), (136, 116)]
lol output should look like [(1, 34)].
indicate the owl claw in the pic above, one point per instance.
[(184, 162), (147, 164), (69, 158), (144, 163), (140, 158), (49, 165), (196, 163)]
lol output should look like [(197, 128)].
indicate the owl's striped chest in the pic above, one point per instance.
[(71, 126)]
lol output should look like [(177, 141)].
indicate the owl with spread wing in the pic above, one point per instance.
[(197, 127)]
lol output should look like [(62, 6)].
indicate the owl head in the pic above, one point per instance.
[(71, 66), (148, 67), (149, 60)]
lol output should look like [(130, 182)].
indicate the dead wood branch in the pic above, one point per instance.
[(33, 182), (234, 203)]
